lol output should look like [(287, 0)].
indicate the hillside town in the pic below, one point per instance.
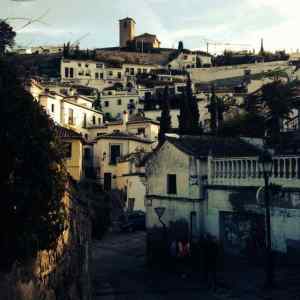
[(175, 172)]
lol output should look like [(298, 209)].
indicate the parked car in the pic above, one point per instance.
[(132, 221)]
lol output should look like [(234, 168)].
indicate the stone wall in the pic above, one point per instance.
[(59, 273)]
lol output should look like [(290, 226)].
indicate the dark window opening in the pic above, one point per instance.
[(68, 150), (171, 184), (115, 153), (52, 108)]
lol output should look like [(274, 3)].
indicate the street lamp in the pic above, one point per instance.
[(266, 163)]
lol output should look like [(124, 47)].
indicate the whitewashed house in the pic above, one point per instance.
[(176, 177), (131, 178), (109, 148)]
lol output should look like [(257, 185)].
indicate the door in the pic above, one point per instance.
[(107, 181)]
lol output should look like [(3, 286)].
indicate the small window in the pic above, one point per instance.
[(86, 136), (66, 72), (87, 154), (131, 71), (110, 73), (94, 120), (106, 103), (171, 184), (96, 75), (101, 76), (79, 64), (139, 70), (86, 65), (68, 150), (131, 204), (99, 121), (141, 130), (119, 75), (119, 101), (127, 70), (52, 108), (71, 116), (115, 153)]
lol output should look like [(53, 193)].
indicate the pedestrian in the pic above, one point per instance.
[(183, 256), (212, 251), (173, 254)]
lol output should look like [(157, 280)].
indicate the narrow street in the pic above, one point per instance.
[(120, 273)]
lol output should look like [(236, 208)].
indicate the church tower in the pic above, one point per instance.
[(127, 31)]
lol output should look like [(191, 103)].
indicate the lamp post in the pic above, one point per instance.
[(266, 164)]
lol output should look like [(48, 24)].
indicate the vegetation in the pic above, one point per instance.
[(165, 119), (97, 102), (189, 113), (32, 177), (7, 36)]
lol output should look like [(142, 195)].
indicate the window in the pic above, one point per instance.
[(68, 150), (127, 70), (84, 121), (131, 204), (99, 121), (185, 57), (86, 136), (119, 75), (86, 65), (139, 70), (52, 108), (79, 64), (101, 75), (144, 71), (94, 120), (106, 103), (66, 72), (115, 153), (141, 131), (99, 66), (71, 116), (96, 75), (87, 154), (71, 72), (110, 73), (119, 101), (131, 71), (171, 184)]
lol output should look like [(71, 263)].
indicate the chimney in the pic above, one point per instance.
[(125, 120)]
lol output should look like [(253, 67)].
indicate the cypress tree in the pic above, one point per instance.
[(189, 112), (165, 119)]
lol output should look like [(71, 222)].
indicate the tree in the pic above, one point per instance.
[(7, 36), (165, 119), (180, 46), (212, 108), (97, 103), (32, 177), (189, 112), (275, 102)]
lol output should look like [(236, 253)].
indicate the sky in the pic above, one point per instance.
[(241, 23)]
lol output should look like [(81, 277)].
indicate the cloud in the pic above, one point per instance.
[(243, 21)]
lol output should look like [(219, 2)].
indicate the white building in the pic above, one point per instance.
[(109, 148), (212, 184)]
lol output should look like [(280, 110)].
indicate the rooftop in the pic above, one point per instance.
[(124, 136), (66, 133), (202, 146)]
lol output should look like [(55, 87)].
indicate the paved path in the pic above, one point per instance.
[(119, 273)]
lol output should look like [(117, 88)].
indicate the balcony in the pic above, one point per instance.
[(245, 171)]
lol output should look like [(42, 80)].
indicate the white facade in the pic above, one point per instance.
[(186, 61), (103, 160), (75, 112), (169, 160), (116, 102)]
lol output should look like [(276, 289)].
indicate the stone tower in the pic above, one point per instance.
[(127, 31)]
